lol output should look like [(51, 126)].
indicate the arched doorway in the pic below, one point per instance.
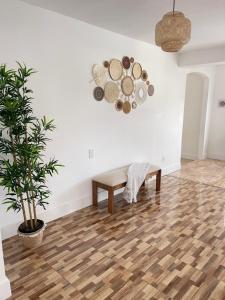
[(194, 138)]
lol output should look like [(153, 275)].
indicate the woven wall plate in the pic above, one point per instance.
[(141, 92), (100, 75), (119, 105), (127, 85), (151, 90), (126, 62), (137, 71), (134, 104), (106, 64), (98, 93), (115, 69), (144, 75), (126, 107), (111, 92)]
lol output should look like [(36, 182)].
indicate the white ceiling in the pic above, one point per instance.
[(137, 18)]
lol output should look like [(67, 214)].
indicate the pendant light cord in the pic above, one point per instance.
[(173, 6)]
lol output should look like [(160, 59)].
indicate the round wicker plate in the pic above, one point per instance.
[(141, 92), (126, 107), (111, 91), (126, 62), (115, 69), (127, 86), (100, 75), (144, 75), (119, 105), (151, 90), (136, 71), (134, 104), (98, 93)]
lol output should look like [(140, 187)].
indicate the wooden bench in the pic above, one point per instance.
[(117, 179)]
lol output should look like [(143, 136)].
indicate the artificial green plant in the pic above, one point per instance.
[(23, 172)]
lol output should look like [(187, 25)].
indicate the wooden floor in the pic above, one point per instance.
[(207, 171), (185, 161), (167, 246)]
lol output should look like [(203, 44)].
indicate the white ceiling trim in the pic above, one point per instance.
[(205, 56)]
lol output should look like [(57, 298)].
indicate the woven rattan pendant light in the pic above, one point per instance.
[(173, 31)]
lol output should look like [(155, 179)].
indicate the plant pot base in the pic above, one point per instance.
[(32, 239)]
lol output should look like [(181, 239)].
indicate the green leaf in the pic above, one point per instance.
[(23, 140)]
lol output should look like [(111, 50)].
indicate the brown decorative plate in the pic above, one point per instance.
[(134, 104), (126, 62), (119, 105), (137, 71), (106, 64), (127, 86), (100, 75), (111, 91), (98, 93), (115, 69), (126, 107), (144, 75), (151, 90)]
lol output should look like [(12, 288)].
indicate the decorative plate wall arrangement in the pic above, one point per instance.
[(123, 83)]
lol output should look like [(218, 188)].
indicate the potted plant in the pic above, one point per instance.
[(23, 171)]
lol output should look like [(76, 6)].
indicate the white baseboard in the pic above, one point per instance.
[(216, 156), (5, 290), (51, 214), (171, 169), (72, 206), (59, 211), (189, 156)]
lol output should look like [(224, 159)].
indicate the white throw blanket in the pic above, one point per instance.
[(136, 176)]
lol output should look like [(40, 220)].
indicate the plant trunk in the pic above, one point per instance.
[(24, 212), (30, 212), (18, 182), (34, 210), (31, 184)]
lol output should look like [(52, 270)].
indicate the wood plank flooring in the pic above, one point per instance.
[(167, 246), (208, 171)]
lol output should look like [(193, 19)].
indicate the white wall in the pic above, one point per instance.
[(192, 116), (216, 144), (204, 56), (195, 112), (63, 50), (5, 290), (208, 73)]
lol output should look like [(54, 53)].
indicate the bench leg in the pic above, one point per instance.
[(94, 194), (110, 200), (158, 181)]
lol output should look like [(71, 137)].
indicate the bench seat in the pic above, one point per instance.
[(113, 177), (116, 179)]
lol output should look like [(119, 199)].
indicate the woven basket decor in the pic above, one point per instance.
[(115, 69), (141, 92), (100, 75), (122, 82), (127, 85), (126, 107), (111, 92)]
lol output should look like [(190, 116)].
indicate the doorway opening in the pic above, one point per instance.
[(194, 137)]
